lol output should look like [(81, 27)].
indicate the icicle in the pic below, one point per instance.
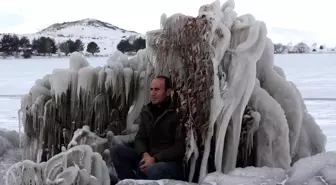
[(192, 154), (163, 20), (139, 101), (61, 81), (101, 112), (128, 79), (110, 83), (86, 91), (87, 79), (49, 125), (20, 125), (101, 81)]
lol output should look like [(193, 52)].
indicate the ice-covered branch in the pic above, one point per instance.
[(78, 165)]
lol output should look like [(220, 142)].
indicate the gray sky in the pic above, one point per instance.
[(29, 16)]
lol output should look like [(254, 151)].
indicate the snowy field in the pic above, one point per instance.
[(314, 75)]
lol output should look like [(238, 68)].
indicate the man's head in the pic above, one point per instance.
[(160, 89)]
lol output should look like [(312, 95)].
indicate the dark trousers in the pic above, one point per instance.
[(126, 162)]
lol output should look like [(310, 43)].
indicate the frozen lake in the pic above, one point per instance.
[(314, 75)]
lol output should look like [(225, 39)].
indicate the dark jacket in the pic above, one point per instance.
[(163, 138)]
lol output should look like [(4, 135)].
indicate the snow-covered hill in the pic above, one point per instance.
[(106, 35)]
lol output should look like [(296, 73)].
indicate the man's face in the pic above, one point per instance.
[(158, 92)]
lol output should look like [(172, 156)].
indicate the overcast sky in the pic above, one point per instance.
[(30, 16)]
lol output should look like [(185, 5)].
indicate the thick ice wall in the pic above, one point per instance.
[(282, 92), (311, 140), (271, 143)]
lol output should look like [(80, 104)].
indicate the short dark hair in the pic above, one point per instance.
[(168, 84)]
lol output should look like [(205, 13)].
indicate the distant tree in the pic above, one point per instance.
[(44, 45), (139, 43), (64, 48), (124, 46), (79, 45), (92, 48), (27, 53), (68, 46), (301, 48), (9, 44), (24, 43), (314, 50), (290, 46), (321, 47), (279, 48), (50, 46), (314, 46), (131, 44), (25, 47)]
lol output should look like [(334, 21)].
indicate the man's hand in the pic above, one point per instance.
[(145, 162)]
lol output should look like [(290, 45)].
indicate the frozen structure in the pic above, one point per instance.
[(238, 108)]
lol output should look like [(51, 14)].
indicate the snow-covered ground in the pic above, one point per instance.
[(314, 76)]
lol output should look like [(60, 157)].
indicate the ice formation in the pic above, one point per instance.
[(78, 165), (238, 108)]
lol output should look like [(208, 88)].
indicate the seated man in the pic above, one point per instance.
[(159, 145)]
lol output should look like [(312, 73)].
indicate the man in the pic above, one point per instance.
[(159, 145)]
